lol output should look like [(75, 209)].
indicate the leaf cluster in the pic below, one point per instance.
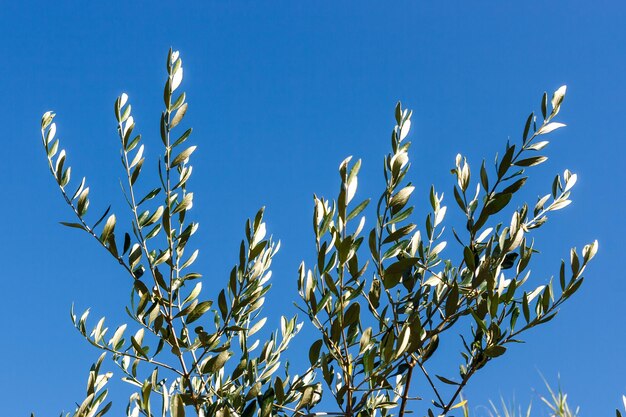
[(380, 298)]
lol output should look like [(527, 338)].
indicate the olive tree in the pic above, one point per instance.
[(381, 297)]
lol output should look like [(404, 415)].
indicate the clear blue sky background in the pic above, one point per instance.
[(280, 93)]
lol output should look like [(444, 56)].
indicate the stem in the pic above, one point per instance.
[(430, 381), (407, 385), (86, 227)]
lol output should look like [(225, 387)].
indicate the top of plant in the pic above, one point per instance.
[(379, 322)]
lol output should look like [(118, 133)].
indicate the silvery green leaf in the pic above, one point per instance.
[(550, 127)]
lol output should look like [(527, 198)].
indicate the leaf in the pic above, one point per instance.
[(117, 336), (495, 351), (364, 342), (498, 202), (83, 202), (529, 121), (560, 204), (216, 363), (191, 259), (138, 157), (138, 347), (399, 233), (438, 248), (468, 256), (182, 138), (101, 217), (550, 127), (537, 146), (198, 311), (505, 164), (109, 227), (177, 407), (513, 188), (179, 101), (177, 79), (400, 216), (401, 197), (182, 156), (484, 178), (185, 204), (314, 351), (452, 301), (126, 243), (75, 225), (357, 210), (509, 260), (446, 380), (79, 189), (221, 302), (529, 162), (573, 288), (179, 115), (403, 341), (557, 99), (406, 127), (149, 196), (353, 315)]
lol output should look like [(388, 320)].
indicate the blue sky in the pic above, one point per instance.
[(279, 94)]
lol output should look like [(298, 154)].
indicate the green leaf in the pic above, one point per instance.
[(459, 198), (399, 233), (364, 342), (468, 256), (513, 188), (526, 308), (314, 351), (353, 315), (149, 196), (484, 178), (181, 157), (495, 351), (182, 137), (550, 127), (216, 363), (185, 204), (109, 227), (400, 199), (452, 301), (178, 116), (527, 126), (358, 209), (197, 312), (177, 407), (497, 203), (505, 164), (179, 101), (83, 202), (396, 218), (221, 302), (138, 347), (573, 288), (529, 162), (75, 225), (446, 380), (126, 243)]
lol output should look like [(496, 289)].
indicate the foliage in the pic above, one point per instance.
[(377, 328)]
